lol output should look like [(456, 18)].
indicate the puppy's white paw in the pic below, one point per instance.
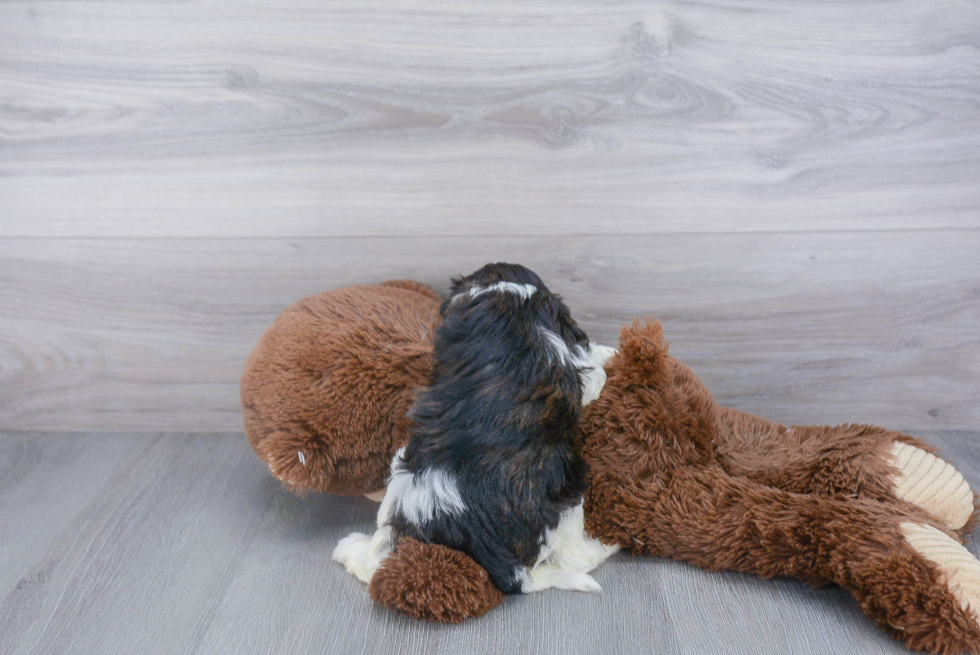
[(582, 582), (361, 555), (593, 377), (931, 483), (549, 577), (351, 547)]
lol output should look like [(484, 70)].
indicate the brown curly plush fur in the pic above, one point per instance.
[(434, 583), (333, 378), (672, 475)]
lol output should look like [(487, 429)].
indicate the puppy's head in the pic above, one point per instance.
[(521, 282), (492, 274)]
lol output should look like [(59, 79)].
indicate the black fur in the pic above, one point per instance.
[(500, 416)]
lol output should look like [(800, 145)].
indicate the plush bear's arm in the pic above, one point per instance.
[(862, 461), (909, 576)]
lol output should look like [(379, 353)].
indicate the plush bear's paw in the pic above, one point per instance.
[(932, 484), (960, 568)]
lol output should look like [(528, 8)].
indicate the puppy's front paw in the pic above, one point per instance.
[(351, 547)]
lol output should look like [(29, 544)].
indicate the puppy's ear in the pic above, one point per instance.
[(456, 284), (575, 334), (578, 334), (569, 330)]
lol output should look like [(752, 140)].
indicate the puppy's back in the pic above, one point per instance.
[(490, 465)]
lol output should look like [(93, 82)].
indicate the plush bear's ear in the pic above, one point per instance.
[(643, 358)]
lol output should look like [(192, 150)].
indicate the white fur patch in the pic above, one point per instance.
[(419, 497), (543, 577), (575, 356), (435, 491), (590, 362), (594, 378), (525, 291), (361, 555), (567, 555)]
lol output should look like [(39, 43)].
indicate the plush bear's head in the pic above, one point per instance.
[(326, 391), (653, 412)]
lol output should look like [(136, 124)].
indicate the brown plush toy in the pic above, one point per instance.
[(326, 390), (672, 474)]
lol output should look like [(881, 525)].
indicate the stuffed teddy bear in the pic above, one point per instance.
[(326, 391), (672, 474)]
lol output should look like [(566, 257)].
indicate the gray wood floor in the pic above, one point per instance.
[(182, 543), (792, 187)]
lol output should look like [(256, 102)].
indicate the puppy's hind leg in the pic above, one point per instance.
[(545, 576), (567, 556), (361, 555), (511, 576)]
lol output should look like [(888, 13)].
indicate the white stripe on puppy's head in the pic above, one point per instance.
[(524, 291)]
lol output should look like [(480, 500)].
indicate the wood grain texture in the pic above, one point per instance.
[(152, 334), (185, 544), (791, 187), (301, 118), (49, 481)]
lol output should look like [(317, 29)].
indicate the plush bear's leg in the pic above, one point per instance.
[(850, 460), (912, 578)]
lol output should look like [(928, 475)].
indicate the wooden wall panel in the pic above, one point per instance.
[(256, 118), (151, 334)]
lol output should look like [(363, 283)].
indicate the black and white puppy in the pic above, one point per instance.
[(490, 467)]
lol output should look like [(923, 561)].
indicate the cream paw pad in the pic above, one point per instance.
[(933, 484), (961, 568)]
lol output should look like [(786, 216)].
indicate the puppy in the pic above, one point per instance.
[(490, 467)]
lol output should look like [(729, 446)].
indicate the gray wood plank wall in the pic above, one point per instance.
[(793, 188)]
